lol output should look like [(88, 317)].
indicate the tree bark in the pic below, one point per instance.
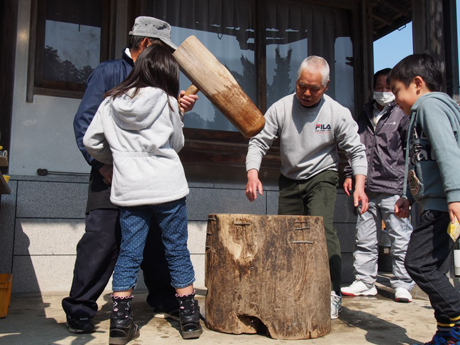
[(267, 273)]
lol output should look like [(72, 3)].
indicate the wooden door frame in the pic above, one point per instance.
[(9, 16)]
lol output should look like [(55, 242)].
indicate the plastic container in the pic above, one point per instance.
[(6, 282)]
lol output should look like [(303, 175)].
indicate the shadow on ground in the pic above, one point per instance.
[(377, 330)]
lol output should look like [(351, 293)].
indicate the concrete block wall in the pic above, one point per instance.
[(42, 220)]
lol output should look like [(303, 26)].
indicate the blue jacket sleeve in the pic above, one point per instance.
[(94, 95)]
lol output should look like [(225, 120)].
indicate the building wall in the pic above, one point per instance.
[(42, 133), (43, 220)]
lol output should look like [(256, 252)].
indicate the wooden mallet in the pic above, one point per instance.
[(215, 81)]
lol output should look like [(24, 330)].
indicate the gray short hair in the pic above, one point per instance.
[(318, 63)]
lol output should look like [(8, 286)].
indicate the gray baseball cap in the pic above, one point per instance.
[(153, 28)]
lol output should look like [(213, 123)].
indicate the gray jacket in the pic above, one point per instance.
[(434, 150), (384, 149), (308, 138)]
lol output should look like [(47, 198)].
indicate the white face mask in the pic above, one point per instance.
[(384, 98)]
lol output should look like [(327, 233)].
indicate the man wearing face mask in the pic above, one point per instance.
[(383, 130)]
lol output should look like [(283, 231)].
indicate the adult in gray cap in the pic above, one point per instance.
[(98, 249)]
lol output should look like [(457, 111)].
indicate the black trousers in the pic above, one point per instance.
[(428, 261), (97, 253)]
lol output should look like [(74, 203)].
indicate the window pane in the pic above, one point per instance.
[(72, 51), (72, 41), (226, 29), (344, 78), (295, 31), (283, 61)]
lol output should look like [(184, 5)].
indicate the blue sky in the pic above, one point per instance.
[(389, 50)]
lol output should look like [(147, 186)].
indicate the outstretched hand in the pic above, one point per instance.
[(360, 197), (107, 172), (254, 185), (454, 211), (402, 206), (187, 102), (348, 185)]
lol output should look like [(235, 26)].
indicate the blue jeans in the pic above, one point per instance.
[(135, 222)]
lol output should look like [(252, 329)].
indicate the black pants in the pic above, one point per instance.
[(428, 261), (97, 253)]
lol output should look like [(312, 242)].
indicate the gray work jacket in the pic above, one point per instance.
[(385, 148)]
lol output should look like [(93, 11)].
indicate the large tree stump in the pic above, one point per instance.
[(267, 272)]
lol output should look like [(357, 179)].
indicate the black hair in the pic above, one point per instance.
[(385, 72), (422, 65), (155, 67), (135, 41)]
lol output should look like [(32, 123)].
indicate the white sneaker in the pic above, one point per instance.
[(358, 288), (403, 295), (336, 305)]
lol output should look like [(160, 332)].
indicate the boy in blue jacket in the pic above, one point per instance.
[(432, 163)]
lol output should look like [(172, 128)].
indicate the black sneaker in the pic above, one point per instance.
[(79, 324), (122, 326), (190, 327), (123, 331)]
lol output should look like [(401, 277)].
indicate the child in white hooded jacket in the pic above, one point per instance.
[(138, 129)]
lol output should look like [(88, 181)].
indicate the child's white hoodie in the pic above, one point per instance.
[(141, 136)]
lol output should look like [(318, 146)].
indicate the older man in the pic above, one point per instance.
[(310, 125)]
